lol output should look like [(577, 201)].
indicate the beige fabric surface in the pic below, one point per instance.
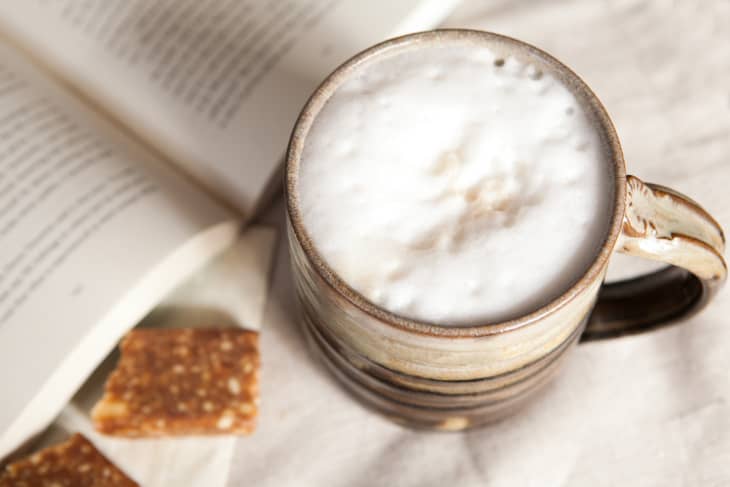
[(646, 410)]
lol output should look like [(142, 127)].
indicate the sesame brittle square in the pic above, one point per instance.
[(182, 381), (75, 462)]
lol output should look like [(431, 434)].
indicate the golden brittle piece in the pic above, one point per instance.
[(74, 463), (182, 381)]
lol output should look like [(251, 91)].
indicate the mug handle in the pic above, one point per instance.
[(664, 225)]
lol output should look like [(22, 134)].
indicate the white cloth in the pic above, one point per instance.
[(645, 410)]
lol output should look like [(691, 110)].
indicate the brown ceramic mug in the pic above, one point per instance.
[(428, 375)]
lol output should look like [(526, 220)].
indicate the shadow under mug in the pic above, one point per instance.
[(451, 378)]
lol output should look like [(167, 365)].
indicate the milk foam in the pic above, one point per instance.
[(453, 187)]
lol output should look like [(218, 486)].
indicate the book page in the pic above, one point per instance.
[(215, 84), (92, 231)]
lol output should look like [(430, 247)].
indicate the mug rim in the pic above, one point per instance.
[(330, 84)]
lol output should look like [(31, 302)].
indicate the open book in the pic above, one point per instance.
[(135, 138)]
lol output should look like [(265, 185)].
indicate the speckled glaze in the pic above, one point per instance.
[(451, 378)]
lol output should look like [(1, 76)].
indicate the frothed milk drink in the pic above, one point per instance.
[(453, 186), (453, 200)]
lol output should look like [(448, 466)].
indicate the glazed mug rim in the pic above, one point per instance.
[(325, 90)]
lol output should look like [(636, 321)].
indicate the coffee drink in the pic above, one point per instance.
[(455, 186), (454, 198)]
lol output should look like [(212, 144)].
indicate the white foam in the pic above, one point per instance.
[(450, 188)]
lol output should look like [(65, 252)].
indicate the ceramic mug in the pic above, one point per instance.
[(451, 378)]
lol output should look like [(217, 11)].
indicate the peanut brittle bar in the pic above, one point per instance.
[(175, 381), (73, 463)]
